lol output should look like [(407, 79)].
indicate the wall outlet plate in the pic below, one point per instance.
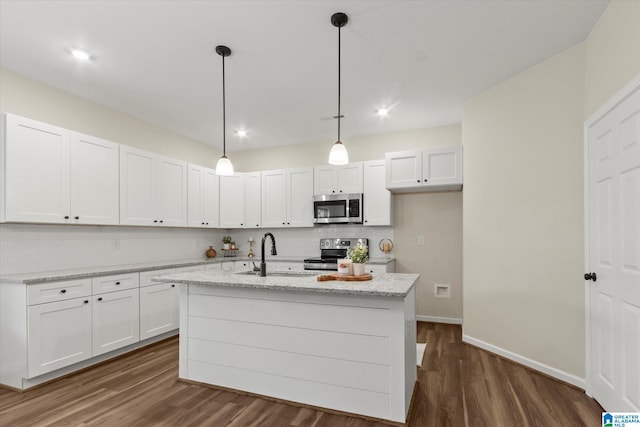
[(441, 291)]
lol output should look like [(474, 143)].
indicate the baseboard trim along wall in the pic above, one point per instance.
[(530, 363), (438, 319)]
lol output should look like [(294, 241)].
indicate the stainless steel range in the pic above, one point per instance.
[(330, 251)]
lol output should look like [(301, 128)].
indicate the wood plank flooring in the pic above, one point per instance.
[(458, 385)]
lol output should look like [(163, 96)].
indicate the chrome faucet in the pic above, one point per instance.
[(263, 264)]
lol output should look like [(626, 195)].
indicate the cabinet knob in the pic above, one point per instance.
[(86, 301), (288, 223), (241, 224), (282, 222), (161, 221), (418, 180), (203, 223), (76, 217), (66, 217), (206, 223), (365, 221), (117, 283), (341, 191), (425, 180), (173, 286), (63, 291), (100, 299), (155, 220), (257, 225), (333, 191)]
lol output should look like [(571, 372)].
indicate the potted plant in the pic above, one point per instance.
[(227, 241), (359, 255)]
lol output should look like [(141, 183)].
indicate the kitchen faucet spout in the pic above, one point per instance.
[(263, 264)]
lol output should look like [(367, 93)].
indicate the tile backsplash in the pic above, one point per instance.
[(26, 248)]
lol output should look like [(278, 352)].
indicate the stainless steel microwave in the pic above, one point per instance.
[(337, 209)]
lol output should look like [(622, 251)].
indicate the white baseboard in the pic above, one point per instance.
[(438, 319), (530, 363)]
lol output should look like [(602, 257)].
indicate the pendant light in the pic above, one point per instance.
[(224, 166), (338, 154)]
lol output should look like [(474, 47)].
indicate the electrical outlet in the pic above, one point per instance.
[(441, 291), (421, 240)]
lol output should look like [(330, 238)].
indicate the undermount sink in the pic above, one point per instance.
[(280, 273)]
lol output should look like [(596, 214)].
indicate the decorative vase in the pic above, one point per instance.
[(358, 269), (211, 253)]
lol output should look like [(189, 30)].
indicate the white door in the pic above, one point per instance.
[(116, 320), (232, 201), (274, 198), (403, 169), (172, 192), (158, 309), (325, 180), (37, 171), (137, 187), (442, 166), (350, 178), (210, 198), (377, 199), (300, 197), (94, 180), (252, 200), (59, 335), (613, 255)]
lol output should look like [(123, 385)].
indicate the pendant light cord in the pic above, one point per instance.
[(339, 115), (224, 115)]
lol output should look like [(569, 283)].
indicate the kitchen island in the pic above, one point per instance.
[(347, 346)]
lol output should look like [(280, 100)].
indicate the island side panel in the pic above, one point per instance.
[(320, 349), (183, 366)]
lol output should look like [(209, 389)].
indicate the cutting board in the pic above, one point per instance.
[(336, 276)]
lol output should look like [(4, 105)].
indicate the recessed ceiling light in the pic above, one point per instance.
[(241, 133), (80, 55), (382, 112)]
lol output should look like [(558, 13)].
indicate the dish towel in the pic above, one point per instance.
[(420, 348)]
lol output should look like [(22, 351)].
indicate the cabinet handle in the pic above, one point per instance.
[(117, 283), (100, 299), (155, 220), (86, 301), (161, 221), (76, 217), (63, 291), (66, 217)]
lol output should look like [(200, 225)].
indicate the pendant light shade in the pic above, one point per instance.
[(224, 166), (338, 154)]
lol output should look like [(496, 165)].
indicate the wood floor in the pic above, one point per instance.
[(458, 385)]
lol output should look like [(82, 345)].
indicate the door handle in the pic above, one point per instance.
[(590, 276)]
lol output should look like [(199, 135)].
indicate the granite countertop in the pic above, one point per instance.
[(383, 284), (83, 273)]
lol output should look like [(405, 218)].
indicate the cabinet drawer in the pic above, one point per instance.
[(145, 276), (115, 283), (58, 291)]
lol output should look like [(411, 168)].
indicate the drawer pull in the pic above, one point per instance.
[(86, 301), (100, 299), (117, 283), (63, 291)]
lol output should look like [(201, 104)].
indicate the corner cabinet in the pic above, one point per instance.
[(53, 175), (153, 189), (377, 199), (202, 197), (338, 179), (424, 170), (287, 196)]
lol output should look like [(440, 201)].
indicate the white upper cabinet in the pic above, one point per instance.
[(377, 199), (53, 175), (153, 189), (287, 198), (252, 200), (338, 179), (202, 197), (232, 201), (424, 170)]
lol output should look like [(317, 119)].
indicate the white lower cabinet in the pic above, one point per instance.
[(158, 309), (116, 320), (59, 334)]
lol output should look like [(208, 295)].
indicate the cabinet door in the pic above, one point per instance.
[(350, 178), (137, 187), (442, 168), (325, 180), (116, 320), (300, 197), (94, 180), (37, 171), (211, 198), (231, 201), (274, 198), (252, 200), (377, 199), (59, 335), (158, 309), (172, 192), (403, 169)]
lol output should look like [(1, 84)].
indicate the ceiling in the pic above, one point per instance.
[(155, 60)]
